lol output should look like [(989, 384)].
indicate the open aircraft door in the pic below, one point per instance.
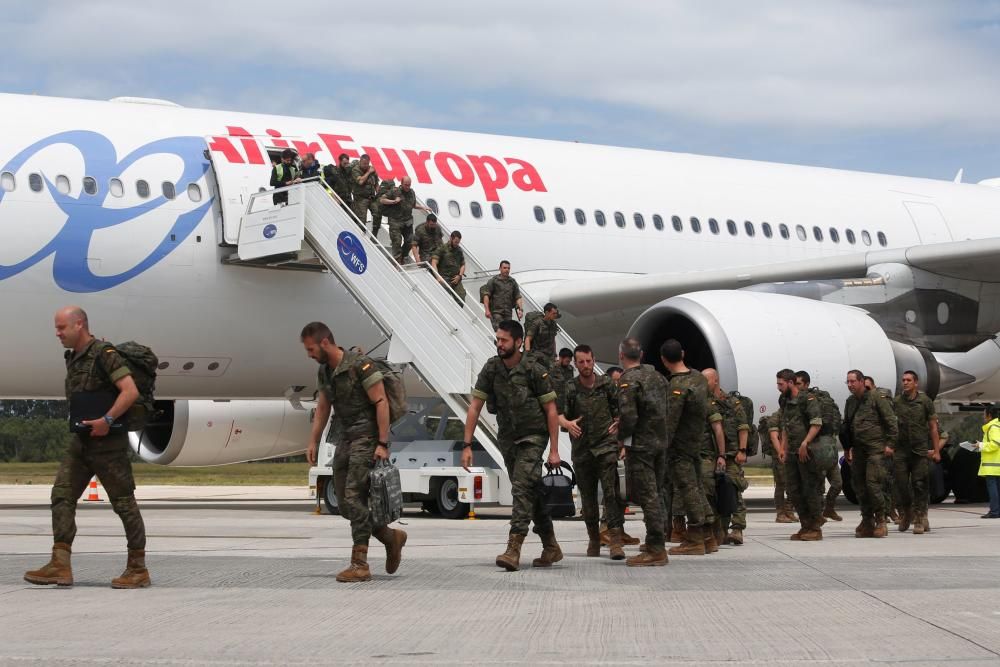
[(242, 167)]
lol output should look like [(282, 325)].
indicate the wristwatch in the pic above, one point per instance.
[(109, 419), (466, 444), (384, 444)]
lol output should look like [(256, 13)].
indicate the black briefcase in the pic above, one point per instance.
[(556, 489)]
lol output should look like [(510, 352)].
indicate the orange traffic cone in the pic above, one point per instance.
[(92, 494)]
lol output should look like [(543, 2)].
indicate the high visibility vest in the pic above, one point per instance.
[(279, 169), (989, 465)]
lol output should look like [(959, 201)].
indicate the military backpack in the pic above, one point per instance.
[(395, 390), (747, 403), (832, 419), (142, 364), (531, 318), (385, 500)]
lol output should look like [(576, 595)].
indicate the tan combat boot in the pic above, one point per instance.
[(692, 545), (57, 571), (135, 575), (628, 539), (830, 512), (677, 528), (926, 522), (881, 530), (394, 541), (735, 536), (617, 552), (651, 557), (551, 553), (596, 538), (797, 535), (711, 533), (510, 560), (918, 524), (785, 516), (865, 529), (812, 533), (905, 517), (605, 536), (358, 569)]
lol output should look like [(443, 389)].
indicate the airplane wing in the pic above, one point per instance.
[(977, 260)]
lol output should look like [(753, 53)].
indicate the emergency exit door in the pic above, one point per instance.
[(929, 222)]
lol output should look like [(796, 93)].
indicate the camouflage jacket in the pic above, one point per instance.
[(339, 179), (503, 294), (709, 449), (543, 336), (402, 211), (347, 391), (870, 422), (798, 415), (427, 240), (597, 407), (84, 374), (519, 394), (450, 260), (687, 411), (642, 403), (914, 417), (734, 420), (562, 374), (368, 188)]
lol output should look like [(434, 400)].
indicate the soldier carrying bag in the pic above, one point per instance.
[(556, 489), (385, 501)]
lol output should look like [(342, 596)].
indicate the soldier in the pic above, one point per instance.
[(563, 372), (736, 429), (351, 384), (95, 373), (426, 239), (384, 188), (398, 205), (615, 373), (687, 412), (888, 488), (769, 432), (541, 335), (832, 471), (869, 434), (528, 419), (338, 178), (713, 447), (642, 441), (449, 262), (283, 174), (590, 414), (918, 427), (801, 421), (364, 184), (500, 295)]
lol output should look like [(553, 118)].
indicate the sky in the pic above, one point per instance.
[(903, 87)]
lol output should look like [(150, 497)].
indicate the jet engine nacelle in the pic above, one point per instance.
[(749, 336), (204, 433)]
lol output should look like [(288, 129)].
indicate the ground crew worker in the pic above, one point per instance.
[(642, 441), (801, 421), (351, 384), (869, 434), (832, 471), (528, 418), (989, 466), (918, 428), (736, 429), (449, 262), (540, 338), (338, 178), (384, 188), (426, 239), (364, 185), (769, 432), (500, 295), (590, 414), (310, 167), (687, 411), (95, 373), (398, 205), (283, 174)]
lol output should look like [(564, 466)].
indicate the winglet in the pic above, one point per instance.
[(958, 176)]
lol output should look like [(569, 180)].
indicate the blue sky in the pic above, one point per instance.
[(896, 87)]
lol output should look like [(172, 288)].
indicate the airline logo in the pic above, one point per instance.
[(352, 253)]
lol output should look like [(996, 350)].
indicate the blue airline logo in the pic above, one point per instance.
[(352, 253)]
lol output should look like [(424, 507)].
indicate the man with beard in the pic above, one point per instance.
[(801, 421), (869, 435)]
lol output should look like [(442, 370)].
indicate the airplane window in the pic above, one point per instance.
[(658, 223), (850, 236), (35, 182), (640, 222), (713, 225), (433, 205), (599, 218), (678, 225), (619, 219), (476, 210), (117, 188), (560, 216), (454, 209), (866, 238), (142, 189), (800, 231), (882, 240), (62, 184), (834, 235), (497, 211), (748, 226), (731, 226), (765, 227), (783, 230), (539, 214), (169, 191), (7, 181), (581, 217), (194, 192), (696, 225), (818, 233), (89, 185)]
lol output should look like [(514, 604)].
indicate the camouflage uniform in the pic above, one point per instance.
[(503, 294), (912, 469), (427, 240), (384, 188), (346, 387), (95, 369), (520, 394), (871, 426), (363, 196), (401, 220), (888, 478), (734, 420), (642, 415), (543, 340), (595, 452), (803, 481), (450, 261), (832, 471), (709, 454), (562, 378), (339, 180), (687, 412)]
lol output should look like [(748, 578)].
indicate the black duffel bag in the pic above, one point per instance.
[(725, 495), (556, 489)]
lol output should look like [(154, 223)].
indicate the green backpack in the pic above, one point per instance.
[(832, 419), (395, 390), (747, 403), (531, 318), (142, 363)]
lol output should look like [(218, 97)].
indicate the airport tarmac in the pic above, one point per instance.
[(245, 575)]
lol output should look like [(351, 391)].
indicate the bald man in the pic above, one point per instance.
[(397, 206), (100, 390), (736, 430)]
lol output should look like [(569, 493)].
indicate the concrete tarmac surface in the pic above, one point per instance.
[(245, 576)]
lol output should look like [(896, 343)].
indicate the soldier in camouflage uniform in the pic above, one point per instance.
[(832, 471), (589, 412), (869, 435), (364, 184), (888, 487), (500, 295), (540, 337), (769, 432), (918, 427), (801, 421), (528, 419), (713, 448), (449, 261), (398, 206), (94, 367), (427, 238), (385, 189), (736, 429), (351, 385), (337, 177), (642, 437)]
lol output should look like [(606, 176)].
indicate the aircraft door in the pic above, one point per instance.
[(929, 222), (242, 167)]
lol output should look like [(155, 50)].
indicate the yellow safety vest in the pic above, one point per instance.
[(989, 465)]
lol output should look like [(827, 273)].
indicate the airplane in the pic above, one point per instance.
[(130, 207)]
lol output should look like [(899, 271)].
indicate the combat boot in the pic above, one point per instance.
[(628, 539), (735, 537), (711, 533), (394, 541), (135, 575), (510, 560), (905, 516), (865, 529), (651, 557), (358, 569), (918, 524), (830, 512), (617, 552), (677, 530), (693, 544), (596, 538), (605, 537), (880, 528), (926, 522), (57, 571), (551, 553), (797, 535), (786, 516)]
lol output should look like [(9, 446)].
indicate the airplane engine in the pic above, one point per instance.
[(749, 336), (204, 433)]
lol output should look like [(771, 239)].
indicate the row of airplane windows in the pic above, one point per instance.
[(714, 226), (115, 186)]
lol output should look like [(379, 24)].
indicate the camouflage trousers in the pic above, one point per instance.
[(593, 471), (867, 475), (352, 465), (781, 501), (400, 236), (497, 316), (889, 495), (458, 289), (804, 483), (912, 479), (361, 206), (523, 461), (689, 497), (646, 469), (835, 482), (734, 471), (108, 459)]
